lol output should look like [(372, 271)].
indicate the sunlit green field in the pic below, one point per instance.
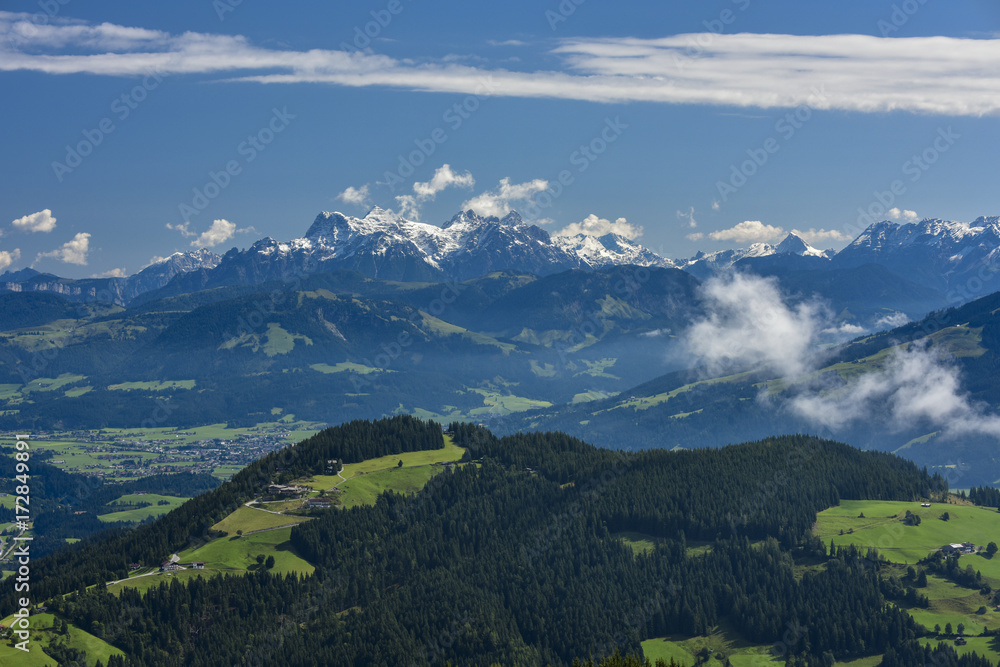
[(236, 555), (882, 527), (155, 509), (364, 489), (42, 633), (248, 519)]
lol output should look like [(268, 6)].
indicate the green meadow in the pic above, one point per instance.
[(42, 633), (155, 509), (684, 650), (248, 519), (882, 527), (364, 489), (239, 554)]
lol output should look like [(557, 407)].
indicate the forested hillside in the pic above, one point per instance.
[(516, 556)]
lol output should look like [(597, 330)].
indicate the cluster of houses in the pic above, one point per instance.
[(287, 490), (173, 566), (958, 548), (121, 456)]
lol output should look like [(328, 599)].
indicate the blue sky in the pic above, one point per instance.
[(695, 125)]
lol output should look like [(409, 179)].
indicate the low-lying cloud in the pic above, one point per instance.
[(916, 386), (750, 325)]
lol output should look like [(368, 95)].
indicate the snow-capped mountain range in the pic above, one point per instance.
[(386, 246), (935, 253), (467, 246)]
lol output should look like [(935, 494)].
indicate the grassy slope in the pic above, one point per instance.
[(145, 512), (949, 603), (248, 519), (236, 555), (363, 490), (97, 649), (882, 528)]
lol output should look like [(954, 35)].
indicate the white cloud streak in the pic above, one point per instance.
[(42, 221), (687, 217), (217, 233), (112, 273), (860, 73), (443, 178)]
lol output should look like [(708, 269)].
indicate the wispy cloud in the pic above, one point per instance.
[(503, 199), (749, 325), (934, 75), (112, 273), (444, 178), (218, 232), (687, 217)]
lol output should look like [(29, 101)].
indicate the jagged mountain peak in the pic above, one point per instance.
[(793, 244), (796, 245)]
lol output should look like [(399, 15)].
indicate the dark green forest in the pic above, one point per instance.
[(513, 558)]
